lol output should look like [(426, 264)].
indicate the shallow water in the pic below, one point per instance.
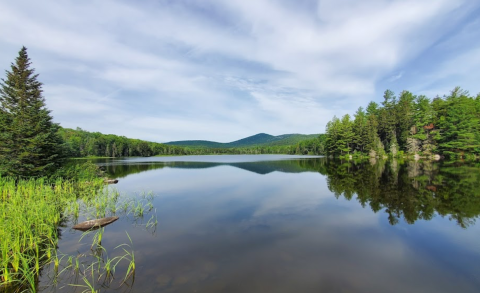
[(293, 224)]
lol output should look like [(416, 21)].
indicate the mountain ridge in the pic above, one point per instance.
[(259, 139)]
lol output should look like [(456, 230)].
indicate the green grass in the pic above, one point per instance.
[(30, 214), (31, 211)]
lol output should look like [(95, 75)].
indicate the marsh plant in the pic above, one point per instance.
[(95, 270), (32, 212)]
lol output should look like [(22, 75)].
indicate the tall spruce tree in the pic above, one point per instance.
[(461, 125), (29, 140)]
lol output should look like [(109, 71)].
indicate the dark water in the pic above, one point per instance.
[(296, 224)]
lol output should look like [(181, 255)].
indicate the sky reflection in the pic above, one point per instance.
[(224, 229)]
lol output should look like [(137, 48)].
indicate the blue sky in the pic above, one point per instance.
[(223, 70)]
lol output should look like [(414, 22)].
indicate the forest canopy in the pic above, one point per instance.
[(448, 126), (81, 143)]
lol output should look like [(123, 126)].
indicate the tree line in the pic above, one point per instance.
[(81, 143), (409, 124)]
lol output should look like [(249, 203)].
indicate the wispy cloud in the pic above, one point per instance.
[(227, 69), (395, 77)]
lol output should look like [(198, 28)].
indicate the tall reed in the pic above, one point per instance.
[(30, 213)]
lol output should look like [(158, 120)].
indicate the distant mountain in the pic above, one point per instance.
[(261, 139)]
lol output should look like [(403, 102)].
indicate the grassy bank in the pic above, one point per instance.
[(31, 213)]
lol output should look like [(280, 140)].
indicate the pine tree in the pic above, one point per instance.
[(346, 140), (29, 140), (360, 130), (461, 125), (332, 136), (388, 119), (405, 111)]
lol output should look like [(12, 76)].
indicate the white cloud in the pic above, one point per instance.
[(65, 100), (223, 70), (395, 77)]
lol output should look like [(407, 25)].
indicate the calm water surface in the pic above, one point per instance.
[(295, 224)]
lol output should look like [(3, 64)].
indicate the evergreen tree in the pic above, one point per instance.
[(388, 119), (372, 109), (346, 140), (461, 125), (404, 111), (29, 142), (373, 143), (360, 130), (448, 126), (332, 133), (424, 125)]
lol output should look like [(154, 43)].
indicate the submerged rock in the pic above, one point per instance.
[(163, 280)]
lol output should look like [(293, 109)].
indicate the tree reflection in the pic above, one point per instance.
[(410, 190)]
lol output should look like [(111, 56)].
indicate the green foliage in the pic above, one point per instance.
[(460, 123), (78, 172), (405, 112), (360, 131), (81, 143), (258, 140), (29, 143), (31, 213), (449, 126), (314, 146)]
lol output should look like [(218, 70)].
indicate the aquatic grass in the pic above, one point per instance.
[(130, 256), (31, 211), (152, 223), (100, 272), (100, 205), (30, 214), (97, 237), (28, 273), (139, 210), (90, 286)]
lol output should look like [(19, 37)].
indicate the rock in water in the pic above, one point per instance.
[(94, 224), (111, 181)]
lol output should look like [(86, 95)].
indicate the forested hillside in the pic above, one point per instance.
[(257, 140), (448, 125), (81, 143)]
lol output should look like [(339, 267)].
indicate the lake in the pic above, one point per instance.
[(276, 223)]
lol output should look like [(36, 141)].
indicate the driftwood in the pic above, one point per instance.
[(94, 224), (111, 181)]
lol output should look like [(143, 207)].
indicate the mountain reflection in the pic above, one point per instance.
[(404, 190), (120, 170)]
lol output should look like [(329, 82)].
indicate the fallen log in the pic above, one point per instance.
[(111, 181), (94, 224)]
